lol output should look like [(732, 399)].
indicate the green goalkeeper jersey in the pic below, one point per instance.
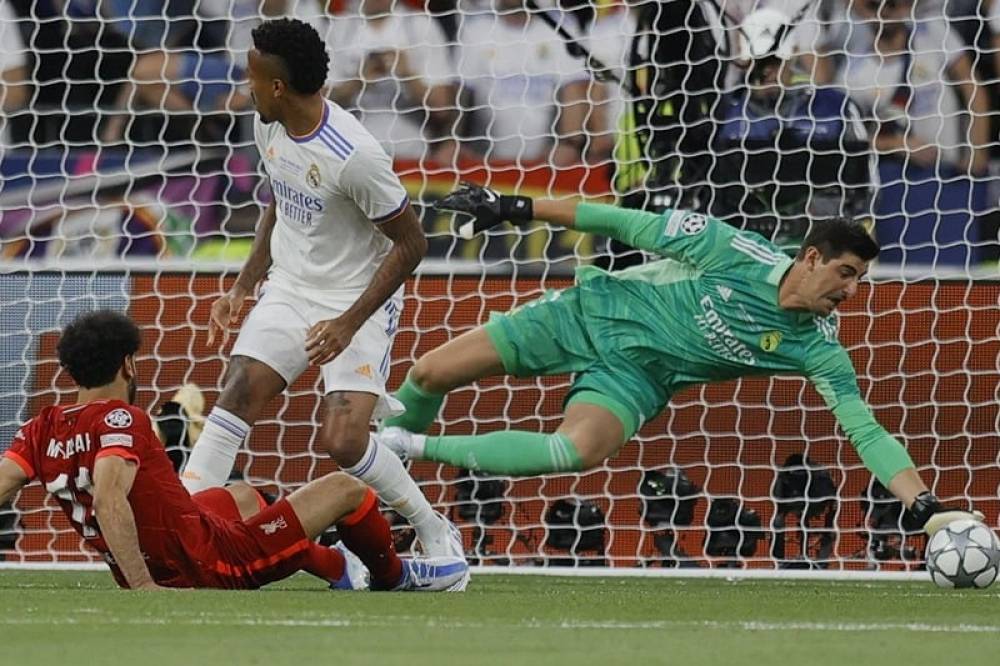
[(709, 312)]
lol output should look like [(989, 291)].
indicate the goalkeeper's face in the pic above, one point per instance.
[(829, 282)]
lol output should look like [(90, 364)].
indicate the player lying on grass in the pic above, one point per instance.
[(723, 304), (113, 480)]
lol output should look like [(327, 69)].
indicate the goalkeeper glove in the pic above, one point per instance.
[(487, 207), (928, 513)]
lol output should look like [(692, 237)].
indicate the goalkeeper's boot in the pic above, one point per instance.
[(432, 574), (405, 444), (356, 574)]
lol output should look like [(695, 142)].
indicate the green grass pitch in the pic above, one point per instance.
[(80, 618)]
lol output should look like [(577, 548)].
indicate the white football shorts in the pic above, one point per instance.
[(274, 333)]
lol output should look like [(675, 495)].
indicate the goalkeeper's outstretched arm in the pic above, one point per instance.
[(833, 375), (488, 208)]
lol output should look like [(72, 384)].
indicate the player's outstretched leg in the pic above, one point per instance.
[(461, 361), (589, 434)]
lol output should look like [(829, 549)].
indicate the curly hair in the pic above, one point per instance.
[(94, 346), (300, 50)]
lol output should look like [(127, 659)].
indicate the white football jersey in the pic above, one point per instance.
[(331, 189)]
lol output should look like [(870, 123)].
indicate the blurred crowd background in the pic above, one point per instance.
[(126, 126)]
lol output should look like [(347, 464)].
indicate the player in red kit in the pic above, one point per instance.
[(111, 476)]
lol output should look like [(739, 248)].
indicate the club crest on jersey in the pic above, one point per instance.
[(770, 341), (118, 418), (270, 528), (312, 176), (693, 224)]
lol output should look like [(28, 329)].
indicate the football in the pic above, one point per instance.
[(964, 553)]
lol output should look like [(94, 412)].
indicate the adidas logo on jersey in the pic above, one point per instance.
[(725, 292), (270, 528), (364, 370)]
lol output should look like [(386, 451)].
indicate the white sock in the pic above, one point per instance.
[(417, 445), (214, 453), (384, 472)]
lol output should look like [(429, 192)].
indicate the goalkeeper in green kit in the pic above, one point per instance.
[(723, 304)]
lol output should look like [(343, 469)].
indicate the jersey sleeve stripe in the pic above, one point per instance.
[(331, 137), (22, 463), (338, 151), (338, 137), (395, 213), (753, 250), (118, 451)]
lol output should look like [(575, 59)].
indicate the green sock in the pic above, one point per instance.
[(421, 407), (511, 452)]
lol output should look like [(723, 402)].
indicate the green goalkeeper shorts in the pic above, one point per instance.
[(548, 336)]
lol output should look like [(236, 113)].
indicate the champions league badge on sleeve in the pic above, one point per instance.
[(118, 418), (693, 224)]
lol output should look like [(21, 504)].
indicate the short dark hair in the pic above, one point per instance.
[(835, 236), (300, 49), (94, 346)]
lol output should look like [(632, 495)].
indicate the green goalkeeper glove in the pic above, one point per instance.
[(488, 208), (929, 514)]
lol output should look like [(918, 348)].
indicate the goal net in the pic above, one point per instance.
[(131, 181)]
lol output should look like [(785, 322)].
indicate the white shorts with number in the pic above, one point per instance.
[(274, 333)]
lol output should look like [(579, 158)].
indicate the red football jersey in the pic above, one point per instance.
[(60, 446)]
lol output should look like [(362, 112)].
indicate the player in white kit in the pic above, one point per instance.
[(337, 243)]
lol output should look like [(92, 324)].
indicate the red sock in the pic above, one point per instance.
[(324, 562), (366, 534)]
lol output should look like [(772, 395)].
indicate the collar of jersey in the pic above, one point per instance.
[(779, 270), (316, 131), (774, 279)]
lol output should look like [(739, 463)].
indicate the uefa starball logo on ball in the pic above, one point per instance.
[(963, 554)]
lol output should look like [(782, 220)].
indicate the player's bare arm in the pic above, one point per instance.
[(328, 338), (113, 479), (226, 308), (12, 478)]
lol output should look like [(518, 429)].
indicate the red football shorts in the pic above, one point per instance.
[(270, 546)]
